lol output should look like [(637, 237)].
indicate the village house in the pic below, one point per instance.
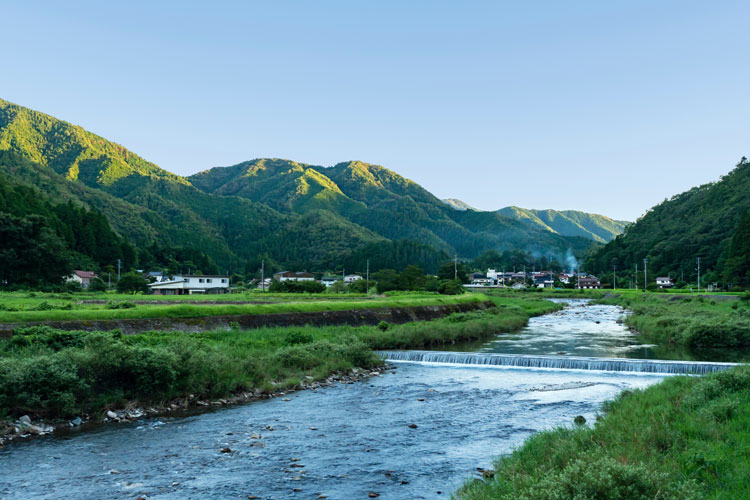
[(191, 284), (544, 281), (589, 282), (564, 278), (519, 276), (351, 278), (263, 284), (293, 276), (82, 277), (328, 281), (664, 282)]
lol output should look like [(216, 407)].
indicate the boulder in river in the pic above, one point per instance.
[(579, 420)]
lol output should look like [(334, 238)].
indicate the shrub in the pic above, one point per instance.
[(450, 287), (383, 326), (111, 304), (296, 287), (298, 337), (604, 478), (97, 285)]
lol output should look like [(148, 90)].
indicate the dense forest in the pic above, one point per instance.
[(706, 222), (99, 202)]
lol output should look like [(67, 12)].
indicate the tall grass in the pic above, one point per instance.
[(696, 322), (685, 438)]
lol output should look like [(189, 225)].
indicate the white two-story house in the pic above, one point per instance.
[(190, 284)]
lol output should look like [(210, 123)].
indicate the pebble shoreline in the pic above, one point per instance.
[(24, 428)]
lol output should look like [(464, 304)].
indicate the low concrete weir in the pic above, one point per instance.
[(559, 362)]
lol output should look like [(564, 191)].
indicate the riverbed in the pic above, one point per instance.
[(416, 432)]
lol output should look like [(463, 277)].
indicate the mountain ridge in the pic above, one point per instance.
[(296, 214)]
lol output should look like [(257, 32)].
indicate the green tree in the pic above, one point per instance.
[(97, 285), (388, 279), (447, 272), (737, 263), (412, 278), (132, 283), (31, 253)]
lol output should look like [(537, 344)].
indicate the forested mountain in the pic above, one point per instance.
[(569, 222), (705, 222), (457, 204), (290, 214), (382, 201)]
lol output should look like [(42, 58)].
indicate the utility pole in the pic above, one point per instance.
[(636, 276), (614, 277), (578, 275), (645, 274), (455, 267), (699, 274), (367, 284), (118, 269), (263, 275)]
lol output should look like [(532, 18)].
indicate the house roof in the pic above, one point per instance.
[(663, 278), (84, 274), (292, 274)]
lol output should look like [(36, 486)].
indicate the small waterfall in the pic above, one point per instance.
[(559, 362)]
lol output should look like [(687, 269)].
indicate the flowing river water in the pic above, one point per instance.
[(416, 432)]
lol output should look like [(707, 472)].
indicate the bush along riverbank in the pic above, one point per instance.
[(49, 375), (695, 321), (685, 438)]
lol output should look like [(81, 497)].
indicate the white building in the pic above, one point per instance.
[(351, 278), (328, 281), (82, 277), (664, 282), (188, 285), (292, 276)]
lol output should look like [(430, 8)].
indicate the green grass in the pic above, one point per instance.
[(694, 321), (685, 438), (22, 310), (57, 373)]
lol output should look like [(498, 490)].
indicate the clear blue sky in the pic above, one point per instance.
[(607, 107)]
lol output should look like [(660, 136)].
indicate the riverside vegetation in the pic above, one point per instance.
[(685, 438), (54, 374), (695, 321)]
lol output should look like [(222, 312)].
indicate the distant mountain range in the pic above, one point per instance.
[(566, 222), (293, 214)]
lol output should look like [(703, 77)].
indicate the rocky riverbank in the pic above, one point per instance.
[(24, 428)]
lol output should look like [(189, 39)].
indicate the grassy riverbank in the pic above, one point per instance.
[(52, 373), (695, 321), (67, 308), (685, 438)]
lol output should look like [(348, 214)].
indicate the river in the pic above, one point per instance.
[(415, 432)]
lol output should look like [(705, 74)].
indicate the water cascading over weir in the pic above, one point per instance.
[(558, 362)]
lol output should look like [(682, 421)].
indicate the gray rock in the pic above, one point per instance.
[(26, 420), (111, 414), (76, 422)]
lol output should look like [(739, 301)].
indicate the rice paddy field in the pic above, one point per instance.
[(22, 307)]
